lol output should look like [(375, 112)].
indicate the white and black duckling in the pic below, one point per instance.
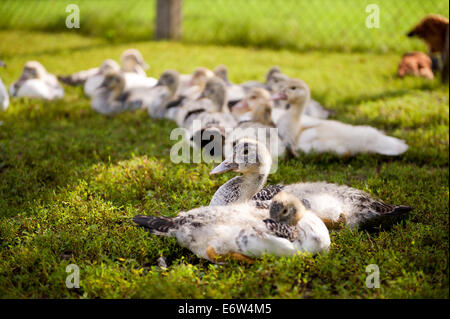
[(162, 94), (36, 82), (111, 97), (215, 123), (334, 204), (242, 232), (4, 96), (189, 89), (293, 221), (327, 135), (258, 125)]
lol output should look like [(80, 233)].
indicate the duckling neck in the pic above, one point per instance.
[(239, 189), (221, 102)]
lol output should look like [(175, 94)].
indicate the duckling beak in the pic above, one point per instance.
[(144, 65), (279, 96), (223, 167), (242, 105), (201, 96)]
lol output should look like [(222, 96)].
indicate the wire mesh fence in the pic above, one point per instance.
[(337, 25)]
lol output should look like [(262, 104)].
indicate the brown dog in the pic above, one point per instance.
[(416, 64)]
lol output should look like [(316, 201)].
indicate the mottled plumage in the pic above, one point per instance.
[(331, 202)]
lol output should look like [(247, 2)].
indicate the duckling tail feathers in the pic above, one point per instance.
[(161, 226), (71, 80), (388, 145), (387, 219)]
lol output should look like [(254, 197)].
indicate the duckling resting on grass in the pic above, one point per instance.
[(36, 82), (242, 232), (336, 205), (327, 135)]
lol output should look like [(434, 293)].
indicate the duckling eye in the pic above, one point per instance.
[(252, 97), (292, 87)]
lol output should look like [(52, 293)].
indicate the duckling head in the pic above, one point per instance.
[(221, 71), (295, 91), (171, 79), (114, 81), (33, 70), (215, 90), (108, 65), (271, 72), (249, 156), (259, 103), (277, 81), (285, 208), (131, 58), (200, 76)]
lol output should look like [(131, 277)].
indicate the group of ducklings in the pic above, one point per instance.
[(245, 218)]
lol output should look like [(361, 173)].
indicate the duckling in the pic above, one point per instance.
[(327, 135), (4, 97), (336, 205), (133, 62), (133, 67), (191, 85), (235, 92), (189, 90), (290, 219), (241, 232), (163, 94), (36, 82), (212, 124), (111, 97), (277, 80), (254, 161), (94, 81), (259, 125)]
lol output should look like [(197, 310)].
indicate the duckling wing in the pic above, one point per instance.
[(78, 78), (92, 84)]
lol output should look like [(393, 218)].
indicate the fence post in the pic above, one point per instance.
[(168, 19), (445, 58)]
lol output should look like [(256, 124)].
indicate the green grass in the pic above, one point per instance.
[(295, 24), (71, 179)]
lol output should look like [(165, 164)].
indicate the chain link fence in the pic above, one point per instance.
[(333, 25)]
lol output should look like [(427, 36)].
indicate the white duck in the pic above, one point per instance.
[(36, 82), (327, 135), (334, 204), (242, 232), (4, 97)]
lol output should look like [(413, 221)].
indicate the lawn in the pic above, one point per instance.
[(296, 24), (71, 179)]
